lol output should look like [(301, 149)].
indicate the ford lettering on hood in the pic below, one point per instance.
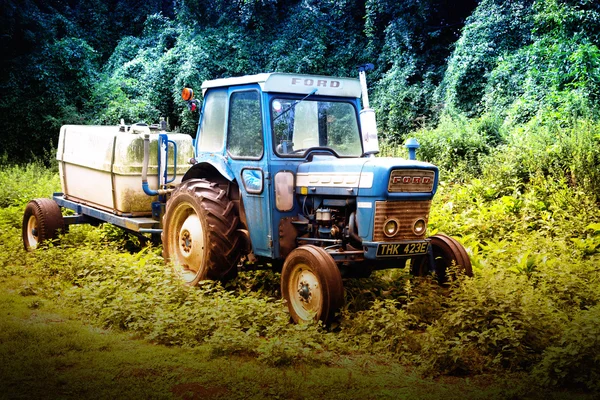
[(328, 175)]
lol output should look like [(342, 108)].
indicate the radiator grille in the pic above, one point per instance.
[(406, 213), (411, 180)]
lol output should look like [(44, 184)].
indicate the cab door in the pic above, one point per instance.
[(249, 163)]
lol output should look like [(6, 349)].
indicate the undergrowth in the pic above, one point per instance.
[(532, 305)]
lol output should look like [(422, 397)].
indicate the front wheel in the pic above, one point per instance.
[(446, 252), (311, 284), (42, 220), (200, 236)]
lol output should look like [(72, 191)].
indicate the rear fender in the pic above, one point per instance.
[(210, 172), (211, 167)]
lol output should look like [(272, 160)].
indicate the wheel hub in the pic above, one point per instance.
[(186, 241), (311, 284), (304, 291), (307, 287), (190, 241)]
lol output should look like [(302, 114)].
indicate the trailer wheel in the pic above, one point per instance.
[(446, 252), (311, 284), (42, 220), (200, 235)]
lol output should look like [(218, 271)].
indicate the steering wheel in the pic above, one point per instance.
[(308, 151)]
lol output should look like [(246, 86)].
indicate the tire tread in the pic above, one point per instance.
[(222, 223)]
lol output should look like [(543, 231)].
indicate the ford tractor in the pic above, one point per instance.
[(282, 173)]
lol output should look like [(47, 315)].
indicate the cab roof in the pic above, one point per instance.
[(292, 83)]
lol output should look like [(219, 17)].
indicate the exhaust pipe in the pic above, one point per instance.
[(368, 124)]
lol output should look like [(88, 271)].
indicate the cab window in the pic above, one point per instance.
[(245, 132), (301, 125), (212, 128)]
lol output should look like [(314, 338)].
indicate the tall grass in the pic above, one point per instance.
[(21, 183), (508, 154), (532, 230)]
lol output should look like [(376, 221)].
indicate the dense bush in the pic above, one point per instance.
[(552, 144), (531, 306), (509, 61), (131, 62), (573, 361), (40, 182), (456, 141), (494, 29), (497, 321)]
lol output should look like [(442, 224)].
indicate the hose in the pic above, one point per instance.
[(145, 185)]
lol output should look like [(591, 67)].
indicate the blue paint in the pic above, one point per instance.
[(412, 145), (158, 209), (219, 161), (263, 218), (147, 190), (163, 146), (167, 140)]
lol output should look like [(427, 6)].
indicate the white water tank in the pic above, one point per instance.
[(101, 166)]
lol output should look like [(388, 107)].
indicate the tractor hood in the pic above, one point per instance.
[(381, 177)]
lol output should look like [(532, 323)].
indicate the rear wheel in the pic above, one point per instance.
[(42, 221), (311, 284), (200, 234), (447, 252)]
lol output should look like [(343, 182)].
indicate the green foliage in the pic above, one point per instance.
[(52, 54), (90, 62), (567, 18), (551, 146), (511, 119), (41, 182), (456, 141), (574, 359), (535, 248), (518, 59), (512, 62), (494, 28), (561, 75), (410, 41), (495, 320), (382, 328), (137, 83)]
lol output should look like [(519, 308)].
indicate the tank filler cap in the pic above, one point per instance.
[(140, 128)]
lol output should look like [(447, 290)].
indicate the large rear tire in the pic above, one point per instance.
[(311, 284), (200, 236), (447, 252), (42, 221)]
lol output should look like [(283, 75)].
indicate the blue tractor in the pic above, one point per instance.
[(283, 174)]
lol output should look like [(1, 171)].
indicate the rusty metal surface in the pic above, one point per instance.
[(406, 213), (413, 180), (287, 237)]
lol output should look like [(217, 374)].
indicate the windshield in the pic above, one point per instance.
[(299, 126)]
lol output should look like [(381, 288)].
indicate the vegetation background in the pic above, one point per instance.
[(504, 96)]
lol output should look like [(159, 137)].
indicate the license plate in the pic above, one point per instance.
[(405, 249)]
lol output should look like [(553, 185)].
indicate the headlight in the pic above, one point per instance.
[(390, 228), (419, 227)]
